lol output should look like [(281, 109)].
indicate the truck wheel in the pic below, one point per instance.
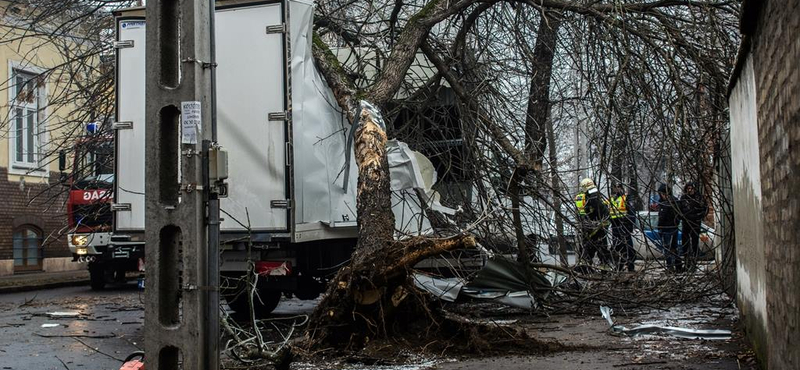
[(97, 277), (269, 300)]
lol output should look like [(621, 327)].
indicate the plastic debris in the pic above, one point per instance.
[(64, 314), (710, 334), (50, 325)]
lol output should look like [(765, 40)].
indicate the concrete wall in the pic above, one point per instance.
[(776, 54), (748, 214), (765, 135)]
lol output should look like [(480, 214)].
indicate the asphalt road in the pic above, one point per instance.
[(70, 328), (76, 328)]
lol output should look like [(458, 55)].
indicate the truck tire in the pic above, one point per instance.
[(97, 277), (269, 300)]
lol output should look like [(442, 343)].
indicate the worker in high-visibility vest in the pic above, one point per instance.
[(580, 202), (593, 218), (621, 229)]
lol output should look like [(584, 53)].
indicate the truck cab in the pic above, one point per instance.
[(91, 185)]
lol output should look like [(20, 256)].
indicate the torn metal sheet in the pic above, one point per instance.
[(404, 170), (442, 288), (706, 334), (500, 280), (555, 278), (521, 299), (412, 175), (503, 274)]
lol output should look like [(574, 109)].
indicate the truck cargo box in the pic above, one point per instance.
[(285, 135)]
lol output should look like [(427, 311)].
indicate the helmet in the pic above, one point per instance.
[(587, 184)]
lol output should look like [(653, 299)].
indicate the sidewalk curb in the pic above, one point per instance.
[(57, 284), (42, 283)]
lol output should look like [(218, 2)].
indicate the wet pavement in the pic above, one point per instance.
[(76, 328), (70, 328)]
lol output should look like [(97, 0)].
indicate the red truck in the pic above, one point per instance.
[(90, 218)]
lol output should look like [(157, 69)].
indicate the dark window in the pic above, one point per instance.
[(27, 245)]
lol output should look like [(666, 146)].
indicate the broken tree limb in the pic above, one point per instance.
[(358, 300)]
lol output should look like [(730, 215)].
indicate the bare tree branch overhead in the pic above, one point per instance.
[(513, 102)]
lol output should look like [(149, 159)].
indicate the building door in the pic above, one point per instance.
[(27, 243)]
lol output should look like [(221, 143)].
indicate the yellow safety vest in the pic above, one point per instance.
[(580, 203), (619, 206)]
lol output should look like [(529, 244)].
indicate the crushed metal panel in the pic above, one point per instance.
[(319, 129), (502, 274), (405, 178)]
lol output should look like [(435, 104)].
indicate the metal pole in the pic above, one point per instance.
[(178, 318), (212, 310)]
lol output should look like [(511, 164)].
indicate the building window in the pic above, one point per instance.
[(27, 245), (26, 129)]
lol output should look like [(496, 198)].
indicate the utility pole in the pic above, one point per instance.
[(182, 274)]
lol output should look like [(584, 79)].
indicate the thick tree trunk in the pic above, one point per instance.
[(363, 294), (555, 183), (515, 192), (374, 205), (538, 114)]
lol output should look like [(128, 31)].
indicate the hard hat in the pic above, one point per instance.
[(587, 184)]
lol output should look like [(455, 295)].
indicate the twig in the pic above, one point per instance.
[(62, 362), (97, 350), (640, 363), (28, 301), (95, 336)]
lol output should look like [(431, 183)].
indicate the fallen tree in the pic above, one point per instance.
[(365, 293)]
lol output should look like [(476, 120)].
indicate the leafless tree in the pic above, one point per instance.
[(515, 101), (639, 83)]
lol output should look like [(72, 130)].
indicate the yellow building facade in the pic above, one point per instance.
[(40, 115)]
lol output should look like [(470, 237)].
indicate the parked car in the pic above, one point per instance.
[(647, 240)]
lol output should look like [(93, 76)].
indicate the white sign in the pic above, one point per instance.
[(94, 195), (131, 25), (191, 122)]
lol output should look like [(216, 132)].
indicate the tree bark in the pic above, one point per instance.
[(555, 183), (364, 293), (538, 113)]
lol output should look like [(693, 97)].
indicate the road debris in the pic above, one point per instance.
[(504, 281), (64, 314), (686, 333)]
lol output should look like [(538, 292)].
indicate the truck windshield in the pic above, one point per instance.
[(94, 162)]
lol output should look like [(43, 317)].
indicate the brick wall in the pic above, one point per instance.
[(41, 205), (776, 56)]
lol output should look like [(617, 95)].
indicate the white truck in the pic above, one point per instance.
[(286, 140)]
